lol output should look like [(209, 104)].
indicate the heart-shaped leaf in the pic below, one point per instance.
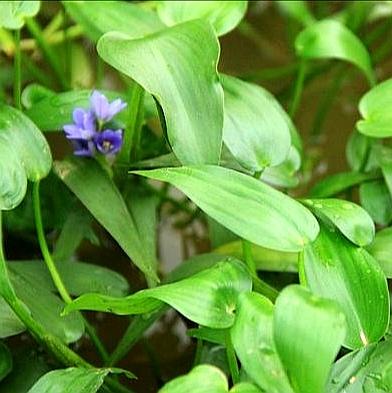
[(254, 129), (208, 298), (13, 13), (252, 336), (189, 93), (353, 221), (246, 206), (329, 39), (223, 15), (338, 270), (306, 325)]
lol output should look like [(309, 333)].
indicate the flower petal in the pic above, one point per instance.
[(99, 105)]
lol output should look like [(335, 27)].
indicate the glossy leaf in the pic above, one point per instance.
[(97, 18), (254, 129), (353, 221), (358, 150), (335, 184), (329, 39), (14, 13), (5, 361), (70, 380), (246, 206), (306, 325), (213, 292), (252, 336), (381, 249), (24, 154), (338, 270), (374, 108), (223, 15), (297, 10), (99, 194), (195, 133), (201, 379), (376, 200)]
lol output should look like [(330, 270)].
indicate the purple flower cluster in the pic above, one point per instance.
[(88, 133)]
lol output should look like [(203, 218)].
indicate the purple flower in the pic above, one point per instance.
[(103, 110), (108, 142), (84, 148)]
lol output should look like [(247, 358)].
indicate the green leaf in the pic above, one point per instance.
[(34, 93), (244, 387), (364, 370), (71, 380), (306, 326), (5, 361), (381, 249), (14, 13), (255, 131), (208, 298), (297, 10), (329, 39), (223, 15), (202, 379), (376, 200), (357, 150), (215, 336), (10, 325), (374, 108), (336, 269), (185, 91), (353, 221), (252, 336), (97, 18), (246, 206), (335, 184), (99, 194), (24, 154)]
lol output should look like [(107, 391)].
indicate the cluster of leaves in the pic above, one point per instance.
[(228, 145)]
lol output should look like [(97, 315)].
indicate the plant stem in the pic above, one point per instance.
[(198, 352), (298, 88), (301, 269), (36, 32), (232, 359), (17, 72), (57, 280), (248, 257)]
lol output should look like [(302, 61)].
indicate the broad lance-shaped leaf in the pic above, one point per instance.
[(97, 18), (353, 221), (189, 92), (246, 206), (208, 298), (252, 336), (201, 379), (336, 269), (331, 39), (306, 326), (91, 184), (71, 380), (375, 109), (14, 13), (254, 129), (223, 15), (24, 155)]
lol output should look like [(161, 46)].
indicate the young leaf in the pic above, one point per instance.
[(5, 361), (338, 270), (353, 221), (246, 206), (71, 380), (202, 379), (252, 337), (331, 39), (374, 108), (189, 93), (223, 15), (14, 13), (254, 129), (97, 18), (208, 298), (24, 154), (297, 10), (306, 325), (381, 249), (101, 197)]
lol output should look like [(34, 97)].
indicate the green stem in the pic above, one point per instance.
[(298, 88), (17, 72), (301, 269), (265, 289), (48, 52), (198, 352), (57, 280), (232, 359), (248, 257)]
